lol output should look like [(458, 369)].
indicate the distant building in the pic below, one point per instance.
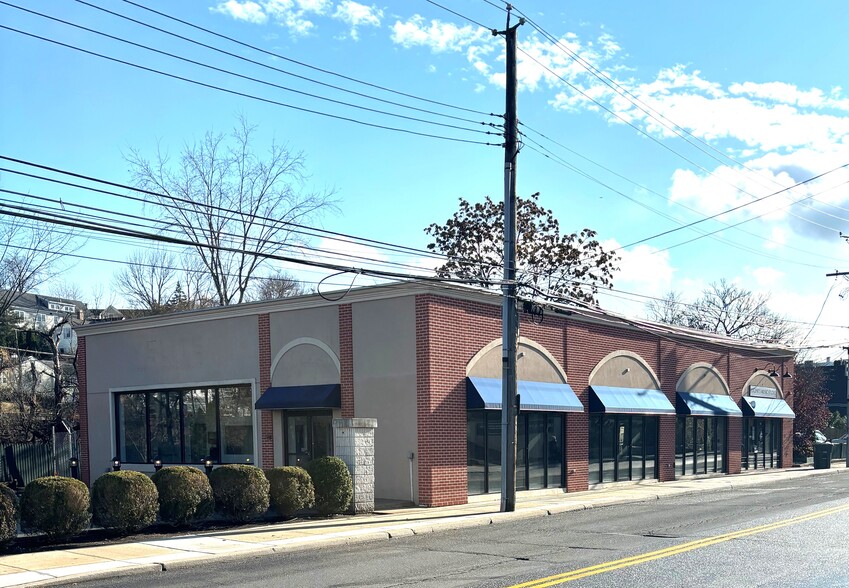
[(835, 373), (42, 313)]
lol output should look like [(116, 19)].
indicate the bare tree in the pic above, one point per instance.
[(231, 202), (727, 309), (29, 252), (67, 290), (148, 279), (278, 285)]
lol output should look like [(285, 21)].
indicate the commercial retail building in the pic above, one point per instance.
[(603, 399)]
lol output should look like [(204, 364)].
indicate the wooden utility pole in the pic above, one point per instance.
[(510, 315)]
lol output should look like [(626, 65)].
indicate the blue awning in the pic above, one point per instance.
[(629, 400), (767, 407), (486, 393), (707, 404), (293, 397)]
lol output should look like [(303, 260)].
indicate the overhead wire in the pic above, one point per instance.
[(244, 94)]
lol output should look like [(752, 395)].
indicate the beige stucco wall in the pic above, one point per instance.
[(385, 388), (317, 323), (623, 369), (533, 364), (208, 353), (702, 379), (761, 378)]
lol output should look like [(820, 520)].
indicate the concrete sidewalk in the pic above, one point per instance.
[(65, 565)]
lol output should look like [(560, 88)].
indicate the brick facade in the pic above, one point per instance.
[(82, 387), (266, 426)]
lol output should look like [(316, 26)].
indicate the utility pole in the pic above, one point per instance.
[(509, 314), (846, 373)]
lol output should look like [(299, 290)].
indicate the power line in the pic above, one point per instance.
[(460, 15), (301, 63), (246, 95)]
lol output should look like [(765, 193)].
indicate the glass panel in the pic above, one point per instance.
[(746, 440), (165, 426), (132, 434), (651, 446), (623, 447), (537, 441), (776, 442), (237, 427), (554, 451), (721, 424), (521, 453), (768, 449), (689, 445), (476, 451), (200, 425), (758, 443), (679, 446), (637, 448), (322, 435), (608, 448), (493, 451), (595, 450), (699, 461), (297, 439), (710, 446)]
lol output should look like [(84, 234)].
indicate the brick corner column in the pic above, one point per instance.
[(346, 360), (82, 387), (354, 444), (577, 456), (787, 443), (266, 428)]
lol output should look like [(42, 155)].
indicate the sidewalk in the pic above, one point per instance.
[(150, 557)]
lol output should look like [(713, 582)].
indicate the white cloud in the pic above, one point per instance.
[(247, 11), (767, 278), (357, 15), (436, 35)]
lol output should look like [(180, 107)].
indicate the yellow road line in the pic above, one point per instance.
[(674, 550)]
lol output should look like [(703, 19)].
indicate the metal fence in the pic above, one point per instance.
[(21, 463)]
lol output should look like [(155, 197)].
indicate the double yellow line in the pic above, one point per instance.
[(670, 551)]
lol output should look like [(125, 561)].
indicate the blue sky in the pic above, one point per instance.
[(754, 88)]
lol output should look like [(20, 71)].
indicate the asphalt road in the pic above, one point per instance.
[(793, 533)]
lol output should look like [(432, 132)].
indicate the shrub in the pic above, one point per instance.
[(8, 513), (240, 491), (290, 489), (333, 486), (56, 506), (185, 495), (125, 501)]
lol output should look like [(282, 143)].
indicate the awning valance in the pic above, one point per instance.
[(486, 393), (767, 407), (295, 397), (609, 399), (698, 404)]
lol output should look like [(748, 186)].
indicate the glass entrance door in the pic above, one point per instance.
[(308, 436)]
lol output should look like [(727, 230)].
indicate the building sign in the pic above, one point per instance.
[(763, 392)]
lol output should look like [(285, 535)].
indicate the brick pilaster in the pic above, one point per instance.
[(346, 360), (734, 442), (577, 446), (265, 418)]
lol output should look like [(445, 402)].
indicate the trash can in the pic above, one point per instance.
[(822, 456)]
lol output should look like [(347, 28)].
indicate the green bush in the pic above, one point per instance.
[(125, 501), (290, 488), (8, 513), (333, 486), (56, 506), (240, 491), (185, 495)]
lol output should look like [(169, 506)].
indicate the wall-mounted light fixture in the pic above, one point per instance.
[(772, 371)]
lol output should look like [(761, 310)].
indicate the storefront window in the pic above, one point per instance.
[(628, 446), (539, 451), (700, 445), (761, 443), (186, 426)]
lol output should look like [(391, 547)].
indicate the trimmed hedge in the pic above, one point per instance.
[(125, 501), (8, 514), (185, 495), (240, 491), (333, 485), (57, 506), (290, 490)]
